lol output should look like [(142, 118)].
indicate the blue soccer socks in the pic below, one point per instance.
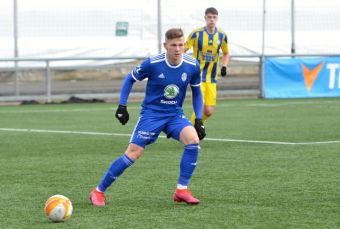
[(188, 164), (115, 170)]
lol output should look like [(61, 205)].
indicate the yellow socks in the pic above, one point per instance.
[(193, 117)]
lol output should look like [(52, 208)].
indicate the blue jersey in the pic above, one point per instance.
[(166, 84)]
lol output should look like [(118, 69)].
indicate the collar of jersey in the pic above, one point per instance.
[(206, 30), (172, 66)]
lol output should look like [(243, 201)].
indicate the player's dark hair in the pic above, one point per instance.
[(174, 33), (211, 10)]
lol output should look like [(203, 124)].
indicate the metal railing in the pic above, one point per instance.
[(48, 68)]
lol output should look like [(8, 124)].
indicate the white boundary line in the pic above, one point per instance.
[(56, 110), (134, 107), (129, 135)]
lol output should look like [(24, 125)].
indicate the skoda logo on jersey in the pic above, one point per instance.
[(171, 91), (184, 77)]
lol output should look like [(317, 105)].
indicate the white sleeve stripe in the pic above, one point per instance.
[(134, 76), (189, 62), (156, 61), (195, 85), (158, 57)]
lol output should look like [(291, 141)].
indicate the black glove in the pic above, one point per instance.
[(223, 71), (199, 128), (122, 114)]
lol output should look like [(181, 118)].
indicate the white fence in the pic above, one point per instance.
[(40, 38)]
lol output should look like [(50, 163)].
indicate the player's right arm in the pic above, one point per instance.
[(139, 73), (121, 113), (190, 41)]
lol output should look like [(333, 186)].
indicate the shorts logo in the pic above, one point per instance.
[(310, 76), (145, 134), (171, 91), (184, 76)]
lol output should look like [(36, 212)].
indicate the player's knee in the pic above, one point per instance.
[(189, 136), (133, 155), (193, 140), (134, 152), (208, 112)]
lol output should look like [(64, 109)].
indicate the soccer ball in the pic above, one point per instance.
[(58, 208)]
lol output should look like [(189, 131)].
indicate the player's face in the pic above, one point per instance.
[(211, 20), (175, 50)]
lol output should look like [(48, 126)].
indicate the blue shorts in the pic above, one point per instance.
[(148, 128)]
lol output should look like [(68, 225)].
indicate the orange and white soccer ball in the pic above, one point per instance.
[(58, 208)]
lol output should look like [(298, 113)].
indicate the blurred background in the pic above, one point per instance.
[(54, 49)]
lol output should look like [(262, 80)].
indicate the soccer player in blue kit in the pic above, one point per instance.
[(169, 75)]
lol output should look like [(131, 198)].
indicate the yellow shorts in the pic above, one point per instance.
[(209, 93)]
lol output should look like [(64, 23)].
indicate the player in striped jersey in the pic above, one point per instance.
[(207, 42), (169, 74)]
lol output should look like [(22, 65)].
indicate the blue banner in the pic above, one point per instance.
[(302, 77)]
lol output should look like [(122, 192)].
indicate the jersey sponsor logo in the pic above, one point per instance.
[(169, 102), (171, 91), (208, 57), (184, 76)]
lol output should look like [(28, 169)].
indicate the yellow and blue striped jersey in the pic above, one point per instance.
[(207, 51)]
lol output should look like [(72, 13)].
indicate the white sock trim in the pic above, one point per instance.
[(98, 190), (179, 186)]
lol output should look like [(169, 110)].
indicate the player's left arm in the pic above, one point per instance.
[(197, 98), (225, 57), (197, 102)]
